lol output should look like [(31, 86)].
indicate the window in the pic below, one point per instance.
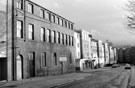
[(61, 22), (72, 40), (42, 13), (69, 25), (30, 8), (31, 56), (53, 36), (42, 34), (65, 23), (53, 18), (19, 4), (58, 20), (48, 15), (59, 37), (55, 58), (43, 59), (70, 58), (20, 29), (72, 26), (65, 39), (31, 31), (48, 35), (69, 40)]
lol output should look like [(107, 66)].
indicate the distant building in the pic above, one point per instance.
[(106, 53), (85, 47), (120, 55), (111, 50), (77, 49), (132, 55), (94, 52), (100, 53), (126, 55), (115, 55)]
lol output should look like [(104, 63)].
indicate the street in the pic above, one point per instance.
[(106, 77), (109, 78)]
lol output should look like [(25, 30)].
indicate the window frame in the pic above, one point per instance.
[(31, 31), (19, 4), (55, 58), (42, 34), (43, 59), (42, 13), (20, 29), (30, 8)]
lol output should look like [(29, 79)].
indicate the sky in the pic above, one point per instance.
[(105, 19)]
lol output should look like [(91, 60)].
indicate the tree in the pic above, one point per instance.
[(131, 15)]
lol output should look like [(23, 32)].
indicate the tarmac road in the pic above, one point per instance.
[(110, 78)]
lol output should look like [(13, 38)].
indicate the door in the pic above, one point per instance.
[(19, 67), (3, 69), (32, 64), (63, 67)]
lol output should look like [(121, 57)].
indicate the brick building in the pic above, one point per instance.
[(40, 42)]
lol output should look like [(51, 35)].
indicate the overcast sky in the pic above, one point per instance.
[(104, 18)]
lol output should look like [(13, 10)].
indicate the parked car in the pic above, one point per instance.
[(115, 65), (127, 66)]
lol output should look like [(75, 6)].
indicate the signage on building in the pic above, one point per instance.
[(62, 58)]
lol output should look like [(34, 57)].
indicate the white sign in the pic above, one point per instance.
[(62, 58)]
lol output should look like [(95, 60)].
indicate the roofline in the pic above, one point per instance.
[(49, 10)]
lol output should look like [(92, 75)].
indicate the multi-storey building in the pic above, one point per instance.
[(77, 49), (40, 42), (94, 53), (111, 50), (85, 41), (115, 55), (106, 53), (120, 55), (101, 53), (126, 54)]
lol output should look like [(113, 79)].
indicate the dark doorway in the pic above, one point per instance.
[(32, 64), (3, 69)]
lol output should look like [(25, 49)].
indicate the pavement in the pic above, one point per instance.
[(47, 82), (132, 78)]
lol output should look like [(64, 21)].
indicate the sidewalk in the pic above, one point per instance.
[(45, 82), (132, 80)]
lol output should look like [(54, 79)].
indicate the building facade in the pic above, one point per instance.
[(85, 47), (120, 55), (112, 59), (94, 53), (100, 53), (77, 49), (106, 53), (40, 42)]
